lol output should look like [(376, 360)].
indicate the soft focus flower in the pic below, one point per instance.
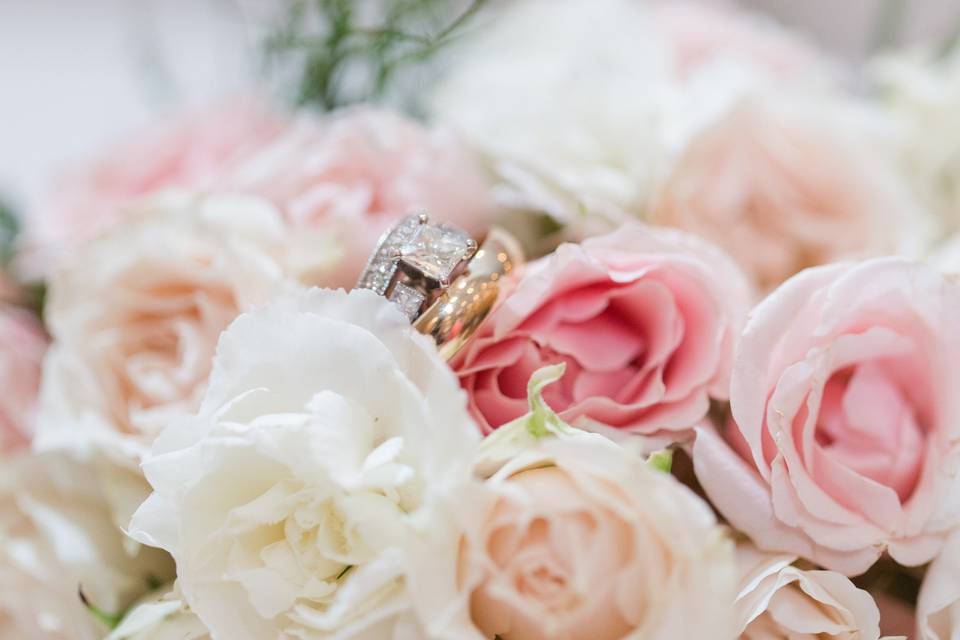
[(922, 95), (702, 35), (135, 316), (577, 537), (778, 601), (162, 615), (36, 601), (845, 417), (191, 151), (946, 255), (10, 290), (587, 157), (580, 108), (781, 189), (938, 607), (644, 319), (22, 345), (353, 174), (328, 426), (57, 536)]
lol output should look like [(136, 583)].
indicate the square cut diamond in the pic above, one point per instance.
[(436, 250), (408, 299)]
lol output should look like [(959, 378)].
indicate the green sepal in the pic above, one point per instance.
[(524, 432), (661, 460)]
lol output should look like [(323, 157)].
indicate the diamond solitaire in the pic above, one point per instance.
[(415, 261), (437, 250)]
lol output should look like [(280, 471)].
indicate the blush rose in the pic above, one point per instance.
[(844, 417), (781, 189), (353, 174)]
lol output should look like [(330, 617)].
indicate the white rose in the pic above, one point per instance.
[(576, 537), (329, 426), (777, 601), (135, 316), (57, 538)]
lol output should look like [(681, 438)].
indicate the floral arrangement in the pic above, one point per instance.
[(719, 400)]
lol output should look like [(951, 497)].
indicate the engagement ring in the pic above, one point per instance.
[(442, 279)]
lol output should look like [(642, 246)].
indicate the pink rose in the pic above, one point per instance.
[(644, 319), (699, 34), (845, 417), (22, 345), (357, 172), (780, 190), (190, 151)]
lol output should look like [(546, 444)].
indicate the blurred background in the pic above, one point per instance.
[(77, 74)]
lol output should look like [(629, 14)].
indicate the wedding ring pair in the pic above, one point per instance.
[(442, 279)]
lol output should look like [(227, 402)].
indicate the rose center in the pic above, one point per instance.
[(543, 581), (163, 352), (867, 424)]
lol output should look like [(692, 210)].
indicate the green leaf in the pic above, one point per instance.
[(109, 620), (661, 460)]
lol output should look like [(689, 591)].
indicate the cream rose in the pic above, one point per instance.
[(576, 537), (329, 426), (135, 317), (779, 601)]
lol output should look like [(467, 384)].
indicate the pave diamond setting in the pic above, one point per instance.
[(383, 263), (408, 299), (436, 250)]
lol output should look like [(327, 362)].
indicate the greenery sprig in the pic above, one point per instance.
[(9, 228), (346, 59)]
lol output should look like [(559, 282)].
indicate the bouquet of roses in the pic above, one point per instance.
[(648, 329)]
